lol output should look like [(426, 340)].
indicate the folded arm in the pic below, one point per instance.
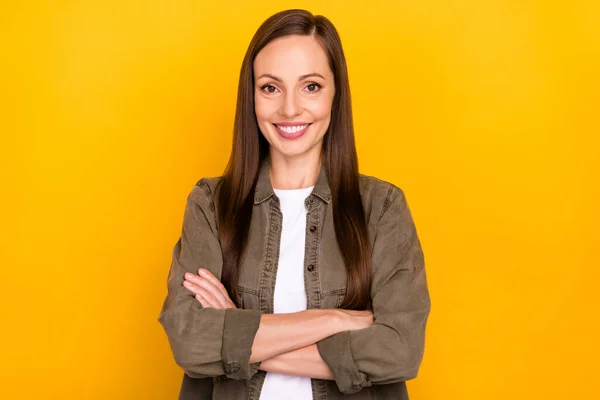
[(207, 341), (302, 362), (392, 349)]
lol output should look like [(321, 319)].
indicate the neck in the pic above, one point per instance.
[(294, 172)]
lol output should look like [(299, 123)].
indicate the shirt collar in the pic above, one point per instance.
[(264, 189)]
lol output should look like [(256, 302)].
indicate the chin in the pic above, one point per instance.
[(296, 148), (291, 151)]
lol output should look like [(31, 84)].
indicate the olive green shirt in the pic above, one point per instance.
[(213, 346)]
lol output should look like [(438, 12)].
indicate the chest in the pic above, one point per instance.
[(321, 266)]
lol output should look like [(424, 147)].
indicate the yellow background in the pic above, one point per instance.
[(484, 112)]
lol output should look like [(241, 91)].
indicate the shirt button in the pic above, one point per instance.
[(311, 268), (313, 228), (311, 200)]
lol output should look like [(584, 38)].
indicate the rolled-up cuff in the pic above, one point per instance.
[(337, 354), (238, 335)]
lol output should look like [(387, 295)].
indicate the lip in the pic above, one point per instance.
[(292, 123), (294, 135)]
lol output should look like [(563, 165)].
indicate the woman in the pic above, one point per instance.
[(296, 277)]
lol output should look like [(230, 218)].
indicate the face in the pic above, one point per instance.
[(293, 94)]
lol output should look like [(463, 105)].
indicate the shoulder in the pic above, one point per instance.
[(378, 195), (207, 184), (203, 192), (200, 203)]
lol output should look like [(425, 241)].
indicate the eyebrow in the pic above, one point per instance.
[(300, 78)]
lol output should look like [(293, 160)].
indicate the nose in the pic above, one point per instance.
[(290, 106)]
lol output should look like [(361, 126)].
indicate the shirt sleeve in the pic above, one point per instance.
[(205, 342), (391, 350)]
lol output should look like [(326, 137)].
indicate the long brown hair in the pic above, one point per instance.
[(235, 197)]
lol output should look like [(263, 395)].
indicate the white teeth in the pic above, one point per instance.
[(292, 129)]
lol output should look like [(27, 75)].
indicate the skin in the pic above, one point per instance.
[(293, 84), (298, 353)]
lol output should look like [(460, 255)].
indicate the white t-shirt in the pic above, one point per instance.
[(290, 295)]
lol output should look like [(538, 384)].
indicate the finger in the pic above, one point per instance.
[(211, 299), (206, 302), (202, 301), (208, 278), (217, 289), (192, 287), (209, 287), (230, 304), (195, 279), (213, 279), (204, 294)]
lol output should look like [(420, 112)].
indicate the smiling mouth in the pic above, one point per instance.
[(291, 128), (290, 131)]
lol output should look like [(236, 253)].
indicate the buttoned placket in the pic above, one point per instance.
[(311, 276), (311, 246), (268, 277), (315, 211)]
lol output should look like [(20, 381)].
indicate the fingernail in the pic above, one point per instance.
[(203, 271)]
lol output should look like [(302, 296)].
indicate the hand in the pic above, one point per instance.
[(354, 320), (209, 291)]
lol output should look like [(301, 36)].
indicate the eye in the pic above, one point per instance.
[(268, 88), (313, 87)]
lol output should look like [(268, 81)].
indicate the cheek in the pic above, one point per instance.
[(263, 108), (320, 109), (259, 109)]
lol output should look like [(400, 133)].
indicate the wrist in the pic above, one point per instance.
[(335, 320), (325, 321)]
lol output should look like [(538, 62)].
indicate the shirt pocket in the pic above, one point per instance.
[(250, 298), (333, 298)]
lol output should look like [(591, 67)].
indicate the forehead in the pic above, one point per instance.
[(292, 56)]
